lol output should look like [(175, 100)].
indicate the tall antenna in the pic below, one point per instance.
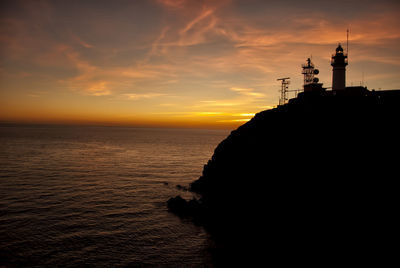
[(347, 45), (363, 78)]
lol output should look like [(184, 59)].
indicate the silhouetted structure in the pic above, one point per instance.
[(312, 87), (339, 62), (284, 90), (310, 81)]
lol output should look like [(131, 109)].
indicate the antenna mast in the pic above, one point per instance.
[(284, 90), (347, 45)]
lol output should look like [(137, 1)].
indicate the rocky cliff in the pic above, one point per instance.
[(312, 177)]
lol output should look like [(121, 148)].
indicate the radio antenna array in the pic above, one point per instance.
[(284, 90)]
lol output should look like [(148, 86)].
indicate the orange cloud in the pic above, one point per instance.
[(98, 89), (80, 41), (173, 3), (202, 16), (247, 92), (134, 96)]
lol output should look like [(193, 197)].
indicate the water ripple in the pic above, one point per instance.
[(95, 196)]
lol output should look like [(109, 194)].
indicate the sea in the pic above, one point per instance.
[(95, 196)]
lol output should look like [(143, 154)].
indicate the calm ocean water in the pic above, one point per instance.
[(95, 196)]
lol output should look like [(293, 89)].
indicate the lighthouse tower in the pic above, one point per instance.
[(339, 62)]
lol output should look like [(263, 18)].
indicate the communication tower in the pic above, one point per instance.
[(310, 81), (284, 90), (309, 72)]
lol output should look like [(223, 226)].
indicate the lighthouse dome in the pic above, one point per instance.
[(339, 49)]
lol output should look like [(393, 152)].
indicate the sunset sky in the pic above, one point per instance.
[(185, 63)]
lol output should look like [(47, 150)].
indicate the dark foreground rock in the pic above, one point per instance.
[(184, 208), (313, 181)]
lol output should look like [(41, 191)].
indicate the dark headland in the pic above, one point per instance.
[(312, 181)]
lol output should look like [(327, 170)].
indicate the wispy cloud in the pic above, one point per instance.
[(247, 92), (135, 96), (234, 120), (208, 113), (173, 3), (252, 114), (219, 103), (206, 12), (98, 89), (80, 41)]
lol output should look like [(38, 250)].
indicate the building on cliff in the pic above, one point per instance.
[(339, 63), (312, 86)]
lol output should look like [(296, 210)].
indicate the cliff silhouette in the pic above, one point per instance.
[(311, 180)]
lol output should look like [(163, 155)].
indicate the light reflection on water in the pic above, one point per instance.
[(75, 196)]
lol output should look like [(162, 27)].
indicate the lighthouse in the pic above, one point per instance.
[(339, 62)]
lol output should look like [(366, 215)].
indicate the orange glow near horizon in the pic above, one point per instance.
[(180, 63)]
